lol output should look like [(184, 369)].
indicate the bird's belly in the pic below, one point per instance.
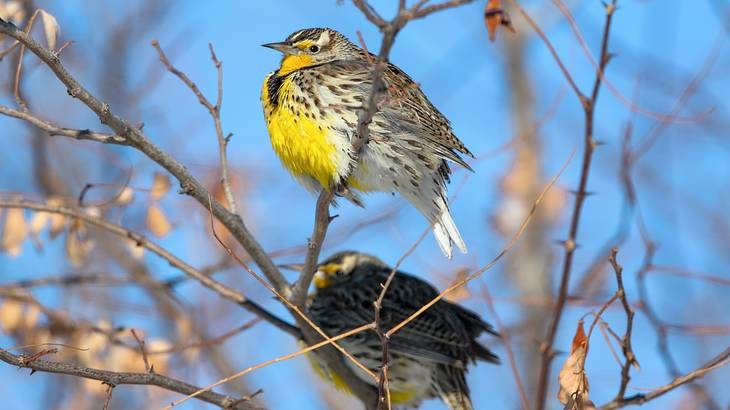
[(303, 145), (409, 379), (377, 171)]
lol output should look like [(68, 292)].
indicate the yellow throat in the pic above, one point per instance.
[(298, 137)]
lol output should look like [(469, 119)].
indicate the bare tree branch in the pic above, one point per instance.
[(137, 139), (66, 132), (628, 352), (145, 242), (570, 244), (213, 109), (120, 378), (718, 361)]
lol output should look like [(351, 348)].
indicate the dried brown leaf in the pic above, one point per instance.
[(572, 378), (157, 222), (126, 196), (38, 222), (77, 245), (122, 359), (12, 11), (135, 251), (30, 320), (185, 332), (160, 186), (96, 343), (58, 221), (14, 232), (494, 17), (461, 292), (11, 316), (579, 339), (159, 361), (50, 28)]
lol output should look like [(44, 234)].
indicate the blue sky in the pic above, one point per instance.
[(682, 183)]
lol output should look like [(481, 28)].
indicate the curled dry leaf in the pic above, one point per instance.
[(94, 211), (96, 342), (126, 196), (38, 222), (159, 361), (30, 320), (572, 378), (11, 316), (58, 221), (135, 251), (14, 232), (185, 332), (12, 11), (78, 245), (123, 359), (160, 186), (494, 17), (157, 222), (461, 292), (50, 28)]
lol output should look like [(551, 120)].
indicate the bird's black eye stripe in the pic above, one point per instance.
[(314, 49)]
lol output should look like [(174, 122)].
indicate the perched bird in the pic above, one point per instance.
[(311, 104), (429, 355)]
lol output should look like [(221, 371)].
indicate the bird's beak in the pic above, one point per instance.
[(297, 267), (284, 46)]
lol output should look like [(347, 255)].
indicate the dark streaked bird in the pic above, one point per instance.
[(429, 355)]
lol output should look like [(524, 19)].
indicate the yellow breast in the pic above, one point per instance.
[(300, 141), (326, 374)]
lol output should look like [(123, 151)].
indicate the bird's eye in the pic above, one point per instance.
[(314, 49)]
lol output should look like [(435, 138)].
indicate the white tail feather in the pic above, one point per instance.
[(453, 231), (442, 238), (446, 233)]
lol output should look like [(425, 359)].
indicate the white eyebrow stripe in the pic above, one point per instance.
[(296, 35), (324, 38)]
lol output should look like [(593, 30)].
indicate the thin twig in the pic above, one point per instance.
[(19, 66), (630, 358), (421, 12), (720, 360), (213, 109), (647, 308), (61, 131), (383, 388), (322, 221), (140, 342), (307, 349), (504, 335), (633, 106), (108, 398), (589, 104)]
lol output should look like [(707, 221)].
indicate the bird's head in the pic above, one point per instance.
[(339, 267), (312, 46)]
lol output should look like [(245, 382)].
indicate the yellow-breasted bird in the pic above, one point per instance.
[(429, 356), (311, 104)]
